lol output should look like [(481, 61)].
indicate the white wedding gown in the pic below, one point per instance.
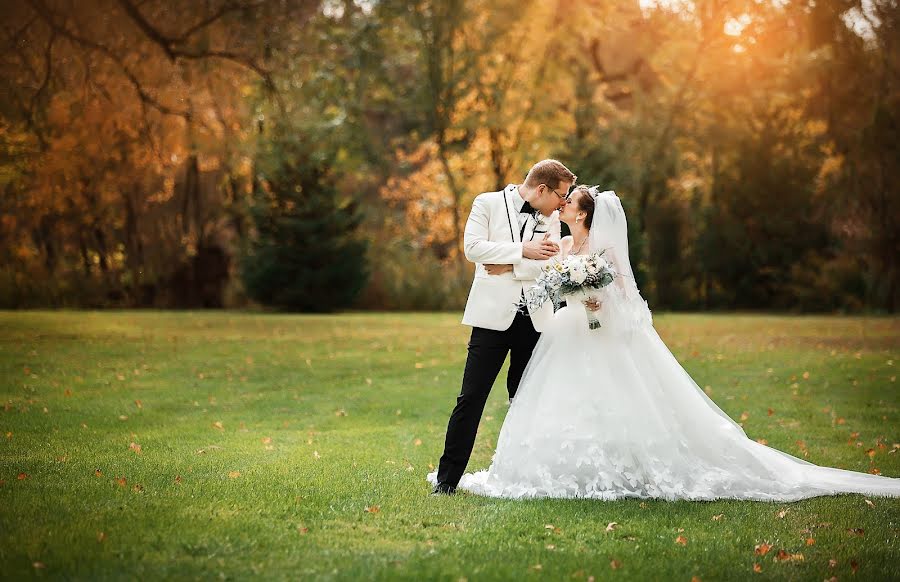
[(611, 414)]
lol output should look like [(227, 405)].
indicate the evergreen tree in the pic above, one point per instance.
[(306, 255)]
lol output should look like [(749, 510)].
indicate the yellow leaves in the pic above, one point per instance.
[(373, 509), (762, 441), (806, 375), (218, 425), (139, 404), (762, 549), (123, 417), (266, 440), (537, 567), (419, 365), (745, 416), (316, 455), (234, 474), (417, 442), (681, 540)]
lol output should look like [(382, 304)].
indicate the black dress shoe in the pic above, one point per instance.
[(443, 489)]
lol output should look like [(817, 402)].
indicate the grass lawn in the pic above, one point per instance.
[(188, 445)]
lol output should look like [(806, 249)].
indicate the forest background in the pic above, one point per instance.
[(320, 155)]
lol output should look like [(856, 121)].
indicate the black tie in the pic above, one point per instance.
[(526, 208)]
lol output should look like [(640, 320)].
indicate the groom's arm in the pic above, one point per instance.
[(529, 269), (477, 246)]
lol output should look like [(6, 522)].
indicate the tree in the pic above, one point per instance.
[(306, 254)]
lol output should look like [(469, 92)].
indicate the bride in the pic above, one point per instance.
[(610, 413)]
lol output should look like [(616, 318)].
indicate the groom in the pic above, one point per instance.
[(509, 236)]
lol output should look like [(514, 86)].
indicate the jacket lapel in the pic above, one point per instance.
[(511, 214)]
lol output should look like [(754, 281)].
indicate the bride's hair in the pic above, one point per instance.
[(585, 203)]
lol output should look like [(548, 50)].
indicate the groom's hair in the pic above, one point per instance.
[(549, 172)]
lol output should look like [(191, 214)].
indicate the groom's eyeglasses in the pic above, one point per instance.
[(558, 195)]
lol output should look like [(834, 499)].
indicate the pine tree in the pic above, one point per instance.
[(306, 255)]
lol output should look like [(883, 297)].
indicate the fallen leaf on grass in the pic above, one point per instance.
[(611, 526), (178, 479), (373, 509), (552, 528), (745, 416), (234, 474), (266, 440), (783, 556), (869, 503), (757, 568), (8, 434), (695, 579), (762, 441), (810, 541), (22, 476), (857, 531), (762, 549), (98, 473), (138, 403), (302, 530), (854, 566), (550, 547), (218, 425), (681, 540), (39, 565), (875, 471), (135, 447), (417, 442), (101, 536), (615, 564), (121, 481), (536, 567), (781, 514), (832, 563), (340, 412), (771, 411)]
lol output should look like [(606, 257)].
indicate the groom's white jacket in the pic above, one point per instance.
[(493, 236)]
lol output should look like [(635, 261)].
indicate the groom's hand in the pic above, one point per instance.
[(540, 250), (498, 269)]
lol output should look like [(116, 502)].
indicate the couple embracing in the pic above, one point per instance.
[(604, 413)]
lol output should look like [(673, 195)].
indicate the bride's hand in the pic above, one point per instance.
[(593, 304), (498, 269)]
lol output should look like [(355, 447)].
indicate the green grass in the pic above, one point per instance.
[(355, 407)]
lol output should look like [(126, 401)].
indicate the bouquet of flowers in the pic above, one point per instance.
[(576, 276)]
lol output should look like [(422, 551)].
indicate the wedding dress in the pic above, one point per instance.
[(610, 414)]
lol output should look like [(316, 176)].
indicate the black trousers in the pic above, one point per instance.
[(487, 351)]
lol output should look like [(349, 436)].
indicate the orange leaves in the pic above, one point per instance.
[(552, 528), (681, 540), (762, 441), (762, 549), (810, 541), (139, 404), (802, 446), (98, 473), (783, 556), (121, 481), (757, 568), (135, 447), (373, 509), (101, 537), (178, 479), (744, 416), (22, 476)]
